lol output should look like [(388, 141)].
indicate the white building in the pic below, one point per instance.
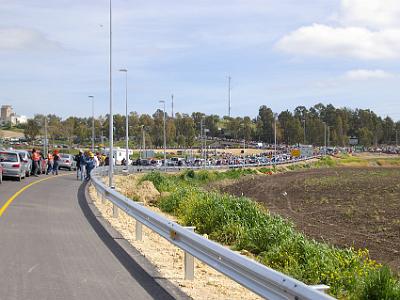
[(8, 116)]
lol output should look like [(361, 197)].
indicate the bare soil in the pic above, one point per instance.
[(347, 207)]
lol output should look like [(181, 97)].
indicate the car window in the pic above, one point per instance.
[(8, 157), (64, 155)]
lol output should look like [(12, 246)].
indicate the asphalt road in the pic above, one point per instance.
[(52, 246)]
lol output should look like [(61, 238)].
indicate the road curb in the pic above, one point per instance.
[(134, 254)]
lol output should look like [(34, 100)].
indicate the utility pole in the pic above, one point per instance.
[(329, 134), (304, 129), (229, 96), (325, 138), (396, 138), (165, 139), (172, 106), (92, 97), (126, 119), (144, 140)]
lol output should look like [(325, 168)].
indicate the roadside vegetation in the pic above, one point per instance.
[(248, 227)]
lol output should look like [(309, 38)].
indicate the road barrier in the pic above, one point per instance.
[(264, 281)]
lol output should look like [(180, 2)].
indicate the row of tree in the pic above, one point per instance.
[(315, 125)]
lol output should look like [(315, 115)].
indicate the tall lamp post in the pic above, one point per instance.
[(304, 120), (126, 119), (92, 98), (111, 118), (165, 138), (275, 117), (325, 138)]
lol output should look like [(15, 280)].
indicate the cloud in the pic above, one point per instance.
[(367, 74), (365, 29), (22, 38), (354, 42), (370, 13)]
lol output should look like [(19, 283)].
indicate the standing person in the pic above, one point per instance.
[(50, 163), (78, 164), (96, 160), (56, 159), (90, 163), (35, 160), (83, 159)]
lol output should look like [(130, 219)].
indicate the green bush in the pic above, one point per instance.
[(379, 285), (244, 224)]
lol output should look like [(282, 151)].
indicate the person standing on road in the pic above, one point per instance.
[(83, 165), (35, 160), (50, 163), (90, 163), (78, 164), (56, 159), (96, 160)]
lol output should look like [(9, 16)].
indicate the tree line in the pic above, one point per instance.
[(311, 125)]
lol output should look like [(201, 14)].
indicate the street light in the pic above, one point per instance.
[(111, 119), (126, 119), (143, 142), (165, 138), (304, 120), (325, 137), (275, 117), (92, 97)]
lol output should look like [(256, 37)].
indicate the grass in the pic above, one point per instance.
[(244, 225)]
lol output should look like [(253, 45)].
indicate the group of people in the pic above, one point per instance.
[(86, 162), (52, 162)]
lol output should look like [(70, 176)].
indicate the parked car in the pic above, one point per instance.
[(26, 161), (67, 161), (11, 162)]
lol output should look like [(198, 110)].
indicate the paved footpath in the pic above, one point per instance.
[(52, 247)]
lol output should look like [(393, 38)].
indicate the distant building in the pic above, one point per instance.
[(8, 116)]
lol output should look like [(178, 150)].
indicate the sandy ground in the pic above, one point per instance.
[(10, 134), (168, 259)]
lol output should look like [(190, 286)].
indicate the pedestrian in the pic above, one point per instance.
[(35, 162), (90, 163), (78, 164), (50, 163), (84, 157), (96, 160), (56, 159)]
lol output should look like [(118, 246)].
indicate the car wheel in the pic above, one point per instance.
[(69, 169)]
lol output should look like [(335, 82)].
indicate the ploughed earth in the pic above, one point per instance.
[(347, 207)]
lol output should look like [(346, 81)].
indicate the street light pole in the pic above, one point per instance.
[(165, 139), (126, 119), (45, 137), (325, 137), (111, 118), (92, 97), (275, 116), (304, 130)]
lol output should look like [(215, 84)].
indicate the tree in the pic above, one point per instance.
[(31, 130)]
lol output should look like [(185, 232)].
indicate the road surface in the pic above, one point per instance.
[(52, 246)]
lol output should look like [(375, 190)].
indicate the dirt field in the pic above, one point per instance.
[(11, 134), (357, 207)]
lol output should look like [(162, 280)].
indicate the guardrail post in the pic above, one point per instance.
[(189, 261), (138, 227), (115, 211)]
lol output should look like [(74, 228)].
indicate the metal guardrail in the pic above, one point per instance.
[(258, 278)]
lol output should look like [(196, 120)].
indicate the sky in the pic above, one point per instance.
[(283, 54)]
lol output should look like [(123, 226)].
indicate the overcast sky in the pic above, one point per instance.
[(283, 54)]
